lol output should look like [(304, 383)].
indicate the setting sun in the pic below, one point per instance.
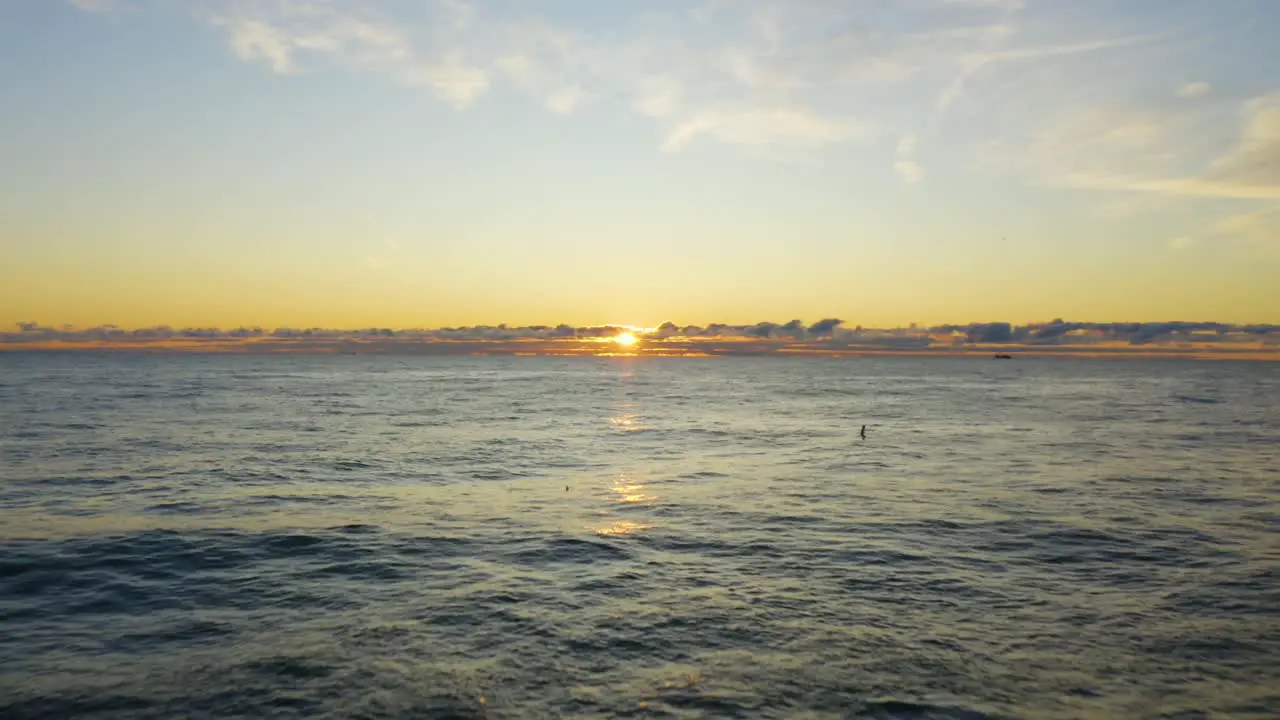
[(625, 339)]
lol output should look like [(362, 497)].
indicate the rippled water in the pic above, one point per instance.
[(368, 537)]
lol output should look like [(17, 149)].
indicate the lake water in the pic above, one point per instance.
[(431, 537)]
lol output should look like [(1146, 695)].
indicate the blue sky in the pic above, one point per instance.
[(354, 162)]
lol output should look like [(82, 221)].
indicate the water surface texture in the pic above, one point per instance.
[(426, 537)]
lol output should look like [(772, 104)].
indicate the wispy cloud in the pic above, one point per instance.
[(1007, 5), (906, 166), (660, 96), (255, 40), (764, 127), (776, 75), (1186, 187), (1193, 90), (100, 6), (756, 73), (1086, 144), (1255, 159), (1248, 170), (285, 34), (971, 64), (565, 100), (1260, 228)]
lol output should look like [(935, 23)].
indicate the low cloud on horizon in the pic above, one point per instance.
[(830, 336)]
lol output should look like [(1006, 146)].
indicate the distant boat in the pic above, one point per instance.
[(1003, 356)]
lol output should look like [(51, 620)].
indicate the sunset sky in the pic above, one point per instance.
[(355, 163)]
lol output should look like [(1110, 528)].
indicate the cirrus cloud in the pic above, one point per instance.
[(285, 34)]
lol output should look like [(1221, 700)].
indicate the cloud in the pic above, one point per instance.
[(1092, 142), (1186, 186), (825, 327), (254, 40), (826, 337), (282, 33), (1064, 49), (1138, 151), (909, 171), (1259, 227), (1255, 160), (1247, 223), (518, 68), (659, 96), (100, 6), (906, 166), (1008, 5), (565, 100), (450, 78), (758, 74), (996, 332), (557, 67), (1191, 91), (765, 76), (762, 127), (972, 64), (1183, 242)]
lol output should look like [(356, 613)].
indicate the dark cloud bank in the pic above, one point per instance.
[(830, 336)]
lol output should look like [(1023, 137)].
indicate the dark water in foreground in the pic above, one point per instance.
[(527, 538)]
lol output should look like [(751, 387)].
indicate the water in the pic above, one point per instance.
[(369, 537)]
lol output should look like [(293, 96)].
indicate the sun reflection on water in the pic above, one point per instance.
[(630, 491), (620, 527), (624, 419), (626, 422), (626, 490)]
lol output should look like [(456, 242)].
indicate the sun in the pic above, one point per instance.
[(625, 339)]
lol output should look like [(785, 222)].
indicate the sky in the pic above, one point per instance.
[(432, 163)]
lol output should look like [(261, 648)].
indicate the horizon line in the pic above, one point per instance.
[(830, 337)]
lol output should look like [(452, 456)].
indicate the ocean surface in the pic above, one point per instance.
[(430, 537)]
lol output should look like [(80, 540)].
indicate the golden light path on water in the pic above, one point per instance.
[(626, 488)]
